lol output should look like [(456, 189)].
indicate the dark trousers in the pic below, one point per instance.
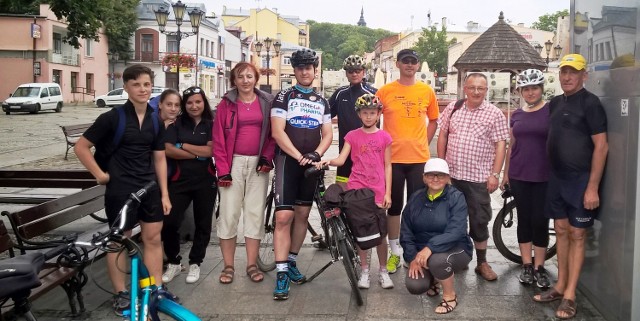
[(181, 195), (533, 225), (441, 266)]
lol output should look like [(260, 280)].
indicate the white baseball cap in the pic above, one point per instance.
[(436, 165)]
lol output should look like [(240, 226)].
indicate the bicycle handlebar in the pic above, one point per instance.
[(313, 170)]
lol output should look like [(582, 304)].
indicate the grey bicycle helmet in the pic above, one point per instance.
[(530, 77), (303, 57), (353, 62), (368, 101)]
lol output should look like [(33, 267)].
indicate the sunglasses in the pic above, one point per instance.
[(435, 175), (193, 90), (409, 61), (354, 71)]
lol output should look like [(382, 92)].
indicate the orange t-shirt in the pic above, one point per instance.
[(406, 111)]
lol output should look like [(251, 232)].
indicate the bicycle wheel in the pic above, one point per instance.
[(266, 256), (348, 257), (176, 311), (505, 235)]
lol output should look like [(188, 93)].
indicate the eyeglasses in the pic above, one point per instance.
[(477, 89), (435, 175), (409, 61), (354, 71), (192, 90)]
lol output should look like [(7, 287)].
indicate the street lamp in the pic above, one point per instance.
[(557, 50), (113, 58), (195, 16), (267, 46)]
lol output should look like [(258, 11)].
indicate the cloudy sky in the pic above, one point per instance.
[(404, 14)]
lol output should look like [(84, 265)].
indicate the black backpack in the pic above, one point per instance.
[(367, 222), (106, 148)]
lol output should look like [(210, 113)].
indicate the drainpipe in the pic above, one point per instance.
[(33, 63)]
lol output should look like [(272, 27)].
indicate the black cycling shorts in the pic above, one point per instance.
[(292, 188), (149, 211), (411, 174)]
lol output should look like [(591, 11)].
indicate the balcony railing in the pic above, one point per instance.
[(71, 58)]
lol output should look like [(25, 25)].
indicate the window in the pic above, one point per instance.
[(57, 76), (286, 60), (207, 49), (172, 43), (146, 47), (602, 51), (201, 46), (54, 91), (74, 81), (213, 46), (608, 45), (88, 47), (44, 92), (89, 82), (57, 43)]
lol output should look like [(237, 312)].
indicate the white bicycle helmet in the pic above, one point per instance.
[(530, 77), (353, 62)]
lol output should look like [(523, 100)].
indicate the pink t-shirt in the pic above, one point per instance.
[(249, 125), (367, 154)]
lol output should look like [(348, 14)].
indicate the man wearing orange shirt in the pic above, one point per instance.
[(410, 114)]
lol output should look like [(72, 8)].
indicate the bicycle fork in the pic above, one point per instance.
[(338, 235)]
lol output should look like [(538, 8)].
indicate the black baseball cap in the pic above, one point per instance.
[(407, 53)]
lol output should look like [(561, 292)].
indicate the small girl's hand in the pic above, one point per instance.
[(321, 164)]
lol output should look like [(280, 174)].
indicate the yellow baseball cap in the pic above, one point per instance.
[(574, 61)]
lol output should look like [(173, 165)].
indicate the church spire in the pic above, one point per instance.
[(361, 22)]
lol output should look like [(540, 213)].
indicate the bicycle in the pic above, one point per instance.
[(145, 301), (505, 231), (266, 258)]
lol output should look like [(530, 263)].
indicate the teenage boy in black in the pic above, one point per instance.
[(138, 159)]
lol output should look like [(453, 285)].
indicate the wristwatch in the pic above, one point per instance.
[(496, 175)]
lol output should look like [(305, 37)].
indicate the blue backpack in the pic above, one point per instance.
[(105, 149)]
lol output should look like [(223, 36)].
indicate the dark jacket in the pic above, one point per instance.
[(225, 128), (440, 225)]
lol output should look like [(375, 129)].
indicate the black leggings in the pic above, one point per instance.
[(412, 174), (182, 193), (533, 225), (441, 266)]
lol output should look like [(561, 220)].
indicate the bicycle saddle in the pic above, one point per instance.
[(20, 273)]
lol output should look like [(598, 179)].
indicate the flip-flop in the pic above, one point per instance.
[(226, 276), (569, 308), (254, 274), (549, 295)]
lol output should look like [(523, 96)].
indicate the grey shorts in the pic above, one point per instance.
[(479, 207)]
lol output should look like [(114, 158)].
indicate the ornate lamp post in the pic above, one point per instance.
[(113, 58), (267, 42), (557, 50), (195, 16)]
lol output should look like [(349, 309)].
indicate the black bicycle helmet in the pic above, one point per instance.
[(303, 57), (368, 101)]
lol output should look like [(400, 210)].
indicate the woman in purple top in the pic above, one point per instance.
[(243, 150), (527, 168)]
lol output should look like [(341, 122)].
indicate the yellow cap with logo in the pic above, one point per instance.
[(574, 61)]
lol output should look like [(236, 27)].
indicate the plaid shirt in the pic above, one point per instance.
[(471, 142)]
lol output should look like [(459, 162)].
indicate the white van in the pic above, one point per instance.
[(34, 97)]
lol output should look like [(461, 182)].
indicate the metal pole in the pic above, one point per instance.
[(268, 70), (197, 55), (113, 71), (178, 37)]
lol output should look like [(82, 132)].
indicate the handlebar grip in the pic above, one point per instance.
[(55, 251), (143, 191), (311, 171)]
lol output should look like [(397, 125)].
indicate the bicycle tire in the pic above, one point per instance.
[(512, 252), (176, 311), (266, 255), (348, 254)]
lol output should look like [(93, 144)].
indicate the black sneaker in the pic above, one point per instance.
[(526, 276), (121, 303), (542, 277)]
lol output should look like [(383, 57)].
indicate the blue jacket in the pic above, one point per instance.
[(440, 225)]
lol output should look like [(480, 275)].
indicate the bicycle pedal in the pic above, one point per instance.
[(316, 238)]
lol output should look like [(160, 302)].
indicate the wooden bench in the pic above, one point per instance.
[(72, 134)]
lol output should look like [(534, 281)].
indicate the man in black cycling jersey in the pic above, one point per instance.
[(343, 106), (301, 126)]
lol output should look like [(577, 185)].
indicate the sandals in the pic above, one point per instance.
[(433, 289), (569, 308), (254, 274), (548, 296), (448, 307), (226, 276)]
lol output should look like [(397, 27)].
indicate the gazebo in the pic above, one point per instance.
[(499, 49)]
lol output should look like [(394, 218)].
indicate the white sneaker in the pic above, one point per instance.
[(194, 273), (364, 282), (172, 271), (385, 280)]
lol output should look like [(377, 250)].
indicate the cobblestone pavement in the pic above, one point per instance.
[(36, 142)]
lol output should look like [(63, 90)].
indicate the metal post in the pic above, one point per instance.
[(179, 37), (268, 70)]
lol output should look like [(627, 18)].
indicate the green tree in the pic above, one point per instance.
[(433, 47), (337, 41), (549, 22), (85, 18)]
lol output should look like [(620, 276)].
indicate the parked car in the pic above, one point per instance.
[(118, 97), (34, 97)]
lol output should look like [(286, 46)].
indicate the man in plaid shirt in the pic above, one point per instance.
[(472, 139)]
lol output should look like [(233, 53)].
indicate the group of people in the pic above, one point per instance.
[(554, 162)]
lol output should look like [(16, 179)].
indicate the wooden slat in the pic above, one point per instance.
[(53, 221), (51, 278), (60, 174), (48, 183), (39, 211), (5, 239), (24, 200)]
